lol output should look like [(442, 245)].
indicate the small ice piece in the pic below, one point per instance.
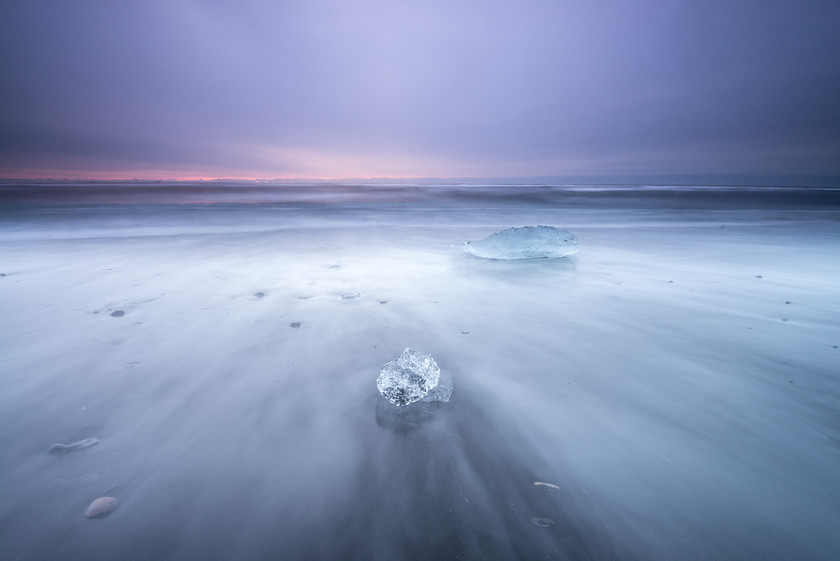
[(64, 448), (542, 522), (527, 242), (544, 484), (408, 378)]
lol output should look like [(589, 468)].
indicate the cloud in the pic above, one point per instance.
[(430, 88)]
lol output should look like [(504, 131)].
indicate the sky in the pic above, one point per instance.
[(417, 88)]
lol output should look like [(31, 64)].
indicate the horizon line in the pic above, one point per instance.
[(740, 179)]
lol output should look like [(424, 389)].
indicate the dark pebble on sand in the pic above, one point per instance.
[(259, 294), (758, 276), (350, 296), (2, 274), (787, 301), (383, 301), (117, 314), (295, 324), (465, 333)]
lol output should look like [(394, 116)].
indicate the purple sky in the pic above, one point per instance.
[(454, 88)]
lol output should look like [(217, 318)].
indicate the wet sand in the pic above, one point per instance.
[(676, 380)]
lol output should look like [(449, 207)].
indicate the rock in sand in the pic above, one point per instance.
[(101, 507)]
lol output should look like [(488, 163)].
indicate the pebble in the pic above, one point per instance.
[(350, 296), (260, 294), (101, 507), (117, 314), (295, 324)]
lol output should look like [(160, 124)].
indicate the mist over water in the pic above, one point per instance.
[(675, 381)]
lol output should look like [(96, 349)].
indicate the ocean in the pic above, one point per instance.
[(669, 392)]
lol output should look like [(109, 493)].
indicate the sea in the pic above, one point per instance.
[(669, 392)]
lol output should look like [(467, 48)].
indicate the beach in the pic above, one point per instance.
[(675, 382)]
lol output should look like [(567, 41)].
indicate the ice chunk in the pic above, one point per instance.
[(408, 378), (527, 242)]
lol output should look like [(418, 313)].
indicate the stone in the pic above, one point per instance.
[(102, 506), (61, 449)]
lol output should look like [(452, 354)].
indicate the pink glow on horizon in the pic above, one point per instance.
[(64, 175)]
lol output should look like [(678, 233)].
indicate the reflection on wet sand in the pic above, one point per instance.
[(445, 484), (667, 392)]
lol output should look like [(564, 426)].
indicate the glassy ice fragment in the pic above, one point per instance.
[(408, 378), (527, 242)]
